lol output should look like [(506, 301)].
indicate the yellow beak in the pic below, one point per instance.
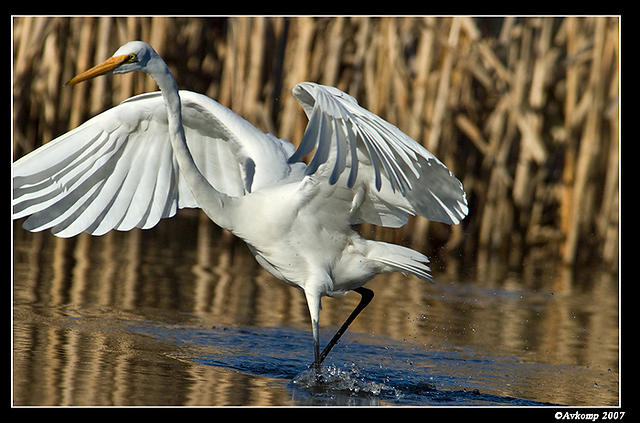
[(108, 65)]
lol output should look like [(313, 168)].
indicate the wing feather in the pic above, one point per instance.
[(400, 176), (340, 152), (353, 150), (118, 170)]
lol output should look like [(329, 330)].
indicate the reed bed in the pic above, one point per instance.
[(525, 111)]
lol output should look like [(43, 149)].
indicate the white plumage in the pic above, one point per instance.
[(128, 167)]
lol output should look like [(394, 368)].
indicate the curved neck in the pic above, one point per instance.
[(214, 203)]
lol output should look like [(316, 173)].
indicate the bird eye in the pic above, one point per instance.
[(132, 58)]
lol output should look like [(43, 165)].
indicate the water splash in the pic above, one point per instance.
[(331, 378), (348, 385)]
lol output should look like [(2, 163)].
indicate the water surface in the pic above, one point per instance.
[(182, 315)]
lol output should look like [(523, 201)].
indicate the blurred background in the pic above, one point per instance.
[(523, 110)]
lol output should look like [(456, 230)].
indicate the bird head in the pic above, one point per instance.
[(133, 56)]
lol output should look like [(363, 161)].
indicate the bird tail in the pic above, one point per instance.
[(400, 259)]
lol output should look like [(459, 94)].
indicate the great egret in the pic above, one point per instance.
[(140, 161)]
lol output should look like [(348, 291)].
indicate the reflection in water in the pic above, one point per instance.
[(138, 318)]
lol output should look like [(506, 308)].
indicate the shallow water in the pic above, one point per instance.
[(180, 315)]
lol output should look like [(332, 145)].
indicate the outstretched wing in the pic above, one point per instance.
[(118, 170), (397, 174)]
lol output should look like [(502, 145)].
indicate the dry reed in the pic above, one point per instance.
[(523, 110)]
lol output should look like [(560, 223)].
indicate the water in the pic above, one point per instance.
[(181, 316)]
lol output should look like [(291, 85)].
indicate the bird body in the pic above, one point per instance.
[(307, 242), (154, 153)]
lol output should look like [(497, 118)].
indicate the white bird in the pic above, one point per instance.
[(140, 161)]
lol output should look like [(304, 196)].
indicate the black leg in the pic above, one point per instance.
[(367, 295)]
